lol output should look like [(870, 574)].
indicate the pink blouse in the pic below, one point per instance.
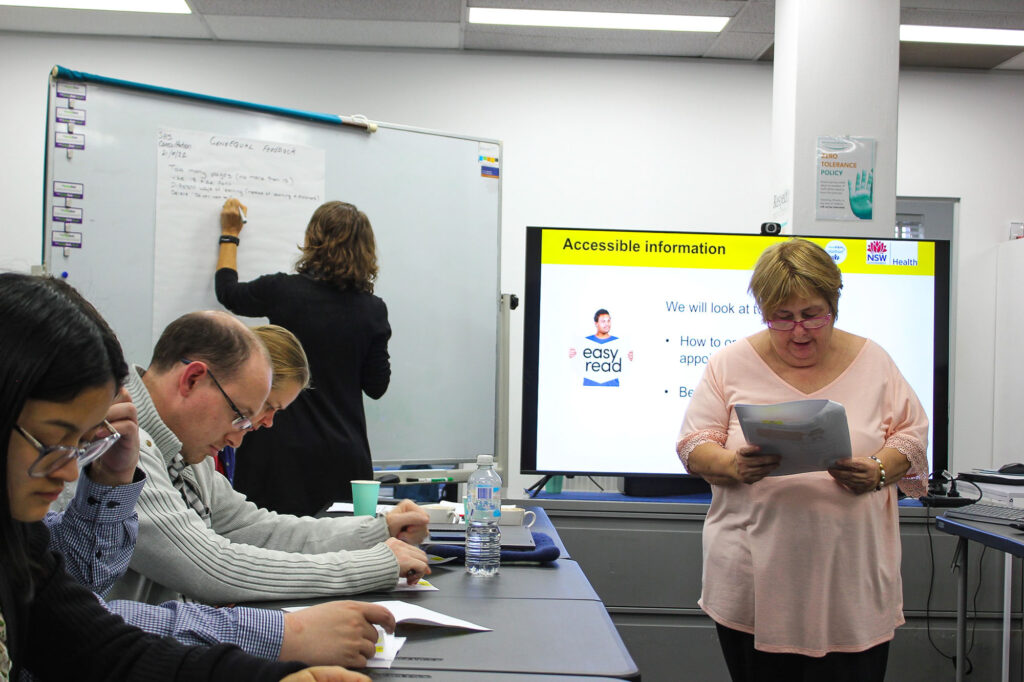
[(801, 563)]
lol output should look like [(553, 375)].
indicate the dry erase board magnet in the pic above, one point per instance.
[(71, 115), (70, 90), (64, 214), (71, 190), (66, 239), (69, 141)]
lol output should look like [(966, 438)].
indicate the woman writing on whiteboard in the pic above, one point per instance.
[(802, 572), (320, 444)]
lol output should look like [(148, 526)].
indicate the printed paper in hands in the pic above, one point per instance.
[(810, 435)]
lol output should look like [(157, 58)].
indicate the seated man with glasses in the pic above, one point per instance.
[(199, 538)]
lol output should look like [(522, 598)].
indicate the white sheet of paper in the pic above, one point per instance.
[(386, 650), (422, 586), (340, 507), (281, 183), (413, 613), (809, 434)]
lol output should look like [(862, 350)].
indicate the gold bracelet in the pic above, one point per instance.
[(881, 473)]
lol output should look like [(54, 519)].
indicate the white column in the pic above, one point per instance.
[(836, 72)]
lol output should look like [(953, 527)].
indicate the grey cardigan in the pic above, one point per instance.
[(241, 553)]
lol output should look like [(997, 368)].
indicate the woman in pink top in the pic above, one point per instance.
[(802, 572)]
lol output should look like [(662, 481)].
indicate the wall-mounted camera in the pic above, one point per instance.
[(771, 229)]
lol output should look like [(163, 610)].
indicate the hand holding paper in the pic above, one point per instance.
[(752, 465), (808, 435)]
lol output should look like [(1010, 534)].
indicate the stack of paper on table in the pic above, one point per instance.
[(810, 435)]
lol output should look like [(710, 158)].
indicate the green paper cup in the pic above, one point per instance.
[(364, 497)]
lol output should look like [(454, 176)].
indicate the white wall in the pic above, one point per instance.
[(596, 142)]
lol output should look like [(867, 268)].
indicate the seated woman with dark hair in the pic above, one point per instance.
[(59, 375)]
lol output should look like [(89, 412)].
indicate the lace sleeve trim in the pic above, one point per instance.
[(687, 442), (915, 482)]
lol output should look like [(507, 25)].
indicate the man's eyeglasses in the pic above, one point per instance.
[(809, 323), (53, 457), (241, 422)]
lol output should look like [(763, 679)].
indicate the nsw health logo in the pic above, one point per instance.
[(891, 253)]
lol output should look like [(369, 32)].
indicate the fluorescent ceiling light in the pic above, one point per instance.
[(956, 34), (619, 20), (152, 6)]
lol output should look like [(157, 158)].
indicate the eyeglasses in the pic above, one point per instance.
[(53, 457), (241, 422), (809, 323)]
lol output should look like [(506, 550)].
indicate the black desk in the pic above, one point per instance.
[(993, 535)]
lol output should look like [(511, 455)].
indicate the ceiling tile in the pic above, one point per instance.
[(737, 45), (589, 41), (938, 55), (414, 34), (358, 10)]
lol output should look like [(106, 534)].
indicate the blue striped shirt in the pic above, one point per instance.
[(97, 534)]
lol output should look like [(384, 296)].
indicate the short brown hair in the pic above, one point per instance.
[(340, 248), (213, 337), (795, 267), (287, 357)]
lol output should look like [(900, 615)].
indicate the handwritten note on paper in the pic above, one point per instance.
[(281, 183)]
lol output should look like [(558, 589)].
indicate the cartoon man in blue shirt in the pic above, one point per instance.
[(602, 354)]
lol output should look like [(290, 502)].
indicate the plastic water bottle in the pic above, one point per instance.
[(483, 536)]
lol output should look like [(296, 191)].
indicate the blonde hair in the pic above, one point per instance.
[(287, 356), (794, 268)]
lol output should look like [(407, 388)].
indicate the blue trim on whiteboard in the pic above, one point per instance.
[(69, 74)]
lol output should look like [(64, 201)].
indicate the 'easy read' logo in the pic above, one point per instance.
[(837, 250)]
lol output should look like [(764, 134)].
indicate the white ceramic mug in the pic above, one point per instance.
[(517, 516), (440, 513)]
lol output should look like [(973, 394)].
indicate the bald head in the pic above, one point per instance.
[(211, 336), (209, 372)]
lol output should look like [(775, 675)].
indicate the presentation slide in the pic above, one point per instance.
[(626, 321)]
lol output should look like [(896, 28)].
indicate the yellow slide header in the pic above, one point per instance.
[(725, 251)]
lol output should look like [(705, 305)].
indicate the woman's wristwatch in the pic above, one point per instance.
[(228, 239)]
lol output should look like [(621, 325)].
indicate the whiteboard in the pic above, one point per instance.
[(433, 203)]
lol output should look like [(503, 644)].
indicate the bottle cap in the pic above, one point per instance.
[(482, 460)]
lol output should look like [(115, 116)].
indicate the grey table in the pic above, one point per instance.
[(537, 636), (547, 623), (458, 676)]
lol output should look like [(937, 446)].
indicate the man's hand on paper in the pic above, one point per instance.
[(408, 522), (335, 633), (859, 475), (412, 561), (751, 466)]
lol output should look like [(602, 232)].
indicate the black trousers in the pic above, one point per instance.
[(747, 664)]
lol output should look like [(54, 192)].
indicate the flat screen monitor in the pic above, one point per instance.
[(593, 406)]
